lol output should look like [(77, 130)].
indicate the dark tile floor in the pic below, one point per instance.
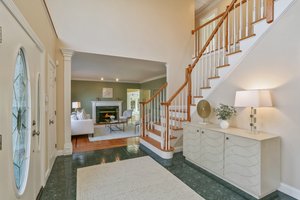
[(61, 184)]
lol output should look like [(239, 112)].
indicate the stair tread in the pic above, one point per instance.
[(249, 36), (213, 77), (154, 131), (155, 143), (181, 111), (175, 128), (158, 133), (207, 87), (232, 53), (226, 65), (198, 97), (178, 119), (258, 20)]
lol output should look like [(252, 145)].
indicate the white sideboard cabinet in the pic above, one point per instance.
[(249, 161)]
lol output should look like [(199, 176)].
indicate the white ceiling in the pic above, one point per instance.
[(86, 66)]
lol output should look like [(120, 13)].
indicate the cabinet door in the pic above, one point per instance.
[(191, 143), (212, 151), (242, 162)]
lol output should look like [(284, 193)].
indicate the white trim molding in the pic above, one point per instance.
[(16, 13), (289, 190), (67, 53), (154, 78)]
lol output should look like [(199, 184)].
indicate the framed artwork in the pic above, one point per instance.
[(107, 93)]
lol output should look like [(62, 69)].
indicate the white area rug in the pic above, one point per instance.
[(134, 179), (103, 133)]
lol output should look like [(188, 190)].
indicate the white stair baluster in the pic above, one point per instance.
[(241, 19), (262, 8), (247, 19), (254, 11), (235, 25)]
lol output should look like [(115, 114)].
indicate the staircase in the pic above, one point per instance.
[(220, 45)]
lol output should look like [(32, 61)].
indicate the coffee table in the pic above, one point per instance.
[(113, 125)]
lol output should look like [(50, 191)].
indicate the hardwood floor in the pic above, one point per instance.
[(82, 143)]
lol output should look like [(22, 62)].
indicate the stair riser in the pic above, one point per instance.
[(154, 136)]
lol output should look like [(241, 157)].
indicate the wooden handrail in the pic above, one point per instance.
[(205, 24), (213, 33), (220, 15), (156, 94), (187, 72)]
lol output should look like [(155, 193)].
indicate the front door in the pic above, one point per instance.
[(21, 59)]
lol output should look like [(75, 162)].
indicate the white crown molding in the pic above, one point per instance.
[(154, 78), (104, 81), (120, 81), (16, 13)]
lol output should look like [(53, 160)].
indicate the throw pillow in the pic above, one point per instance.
[(74, 116), (81, 115)]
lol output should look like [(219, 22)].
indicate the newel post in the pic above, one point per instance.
[(143, 125), (188, 73)]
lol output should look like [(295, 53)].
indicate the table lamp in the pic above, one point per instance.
[(253, 99), (76, 105)]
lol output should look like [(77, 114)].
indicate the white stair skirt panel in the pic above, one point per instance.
[(160, 153)]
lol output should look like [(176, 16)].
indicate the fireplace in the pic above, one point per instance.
[(105, 112), (95, 112)]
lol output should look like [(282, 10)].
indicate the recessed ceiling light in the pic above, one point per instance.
[(117, 79), (102, 78)]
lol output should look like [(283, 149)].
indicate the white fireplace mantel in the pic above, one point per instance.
[(105, 103)]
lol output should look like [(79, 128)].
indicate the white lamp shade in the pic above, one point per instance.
[(76, 105), (253, 98)]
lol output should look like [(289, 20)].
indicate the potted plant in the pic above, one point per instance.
[(224, 113)]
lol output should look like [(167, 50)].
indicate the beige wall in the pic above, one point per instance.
[(273, 64)]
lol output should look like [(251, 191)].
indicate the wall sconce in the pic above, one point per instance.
[(253, 99)]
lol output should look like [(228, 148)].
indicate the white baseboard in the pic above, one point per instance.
[(59, 152), (178, 149), (68, 149), (289, 190)]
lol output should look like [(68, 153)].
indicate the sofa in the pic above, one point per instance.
[(82, 127)]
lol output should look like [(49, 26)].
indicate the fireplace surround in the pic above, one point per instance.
[(109, 106)]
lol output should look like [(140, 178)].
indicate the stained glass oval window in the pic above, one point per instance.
[(21, 123)]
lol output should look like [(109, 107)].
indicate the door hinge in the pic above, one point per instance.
[(55, 79), (0, 142), (55, 112), (55, 145), (0, 34)]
